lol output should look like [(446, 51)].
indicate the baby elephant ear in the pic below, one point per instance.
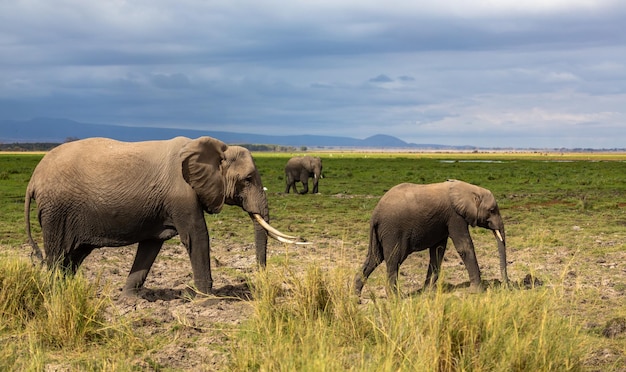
[(201, 161), (465, 199)]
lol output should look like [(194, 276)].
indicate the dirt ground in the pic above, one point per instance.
[(201, 329)]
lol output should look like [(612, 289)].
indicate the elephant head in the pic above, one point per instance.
[(230, 177), (479, 208), (314, 165)]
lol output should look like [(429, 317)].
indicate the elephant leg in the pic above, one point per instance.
[(471, 264), (436, 258), (468, 256), (371, 263), (305, 187), (147, 251), (315, 187), (55, 257), (394, 259), (76, 257), (459, 233), (392, 278), (293, 186), (56, 244), (198, 246)]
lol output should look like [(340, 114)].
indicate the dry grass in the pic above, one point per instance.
[(311, 321), (47, 317)]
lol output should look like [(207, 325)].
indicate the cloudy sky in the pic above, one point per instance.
[(533, 73)]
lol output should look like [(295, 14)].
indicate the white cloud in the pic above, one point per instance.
[(561, 77)]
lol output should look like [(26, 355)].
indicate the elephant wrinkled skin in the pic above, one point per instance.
[(100, 192), (411, 218)]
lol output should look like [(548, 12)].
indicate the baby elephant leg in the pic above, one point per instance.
[(371, 262), (436, 258)]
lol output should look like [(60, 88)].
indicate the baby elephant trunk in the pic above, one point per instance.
[(501, 240)]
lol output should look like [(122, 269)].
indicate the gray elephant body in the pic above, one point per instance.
[(300, 169), (411, 218), (100, 192)]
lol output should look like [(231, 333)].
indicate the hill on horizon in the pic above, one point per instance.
[(54, 130)]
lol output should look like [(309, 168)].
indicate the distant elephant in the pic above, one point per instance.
[(300, 169), (100, 192), (410, 218)]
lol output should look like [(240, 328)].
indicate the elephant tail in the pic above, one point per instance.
[(376, 247), (36, 251)]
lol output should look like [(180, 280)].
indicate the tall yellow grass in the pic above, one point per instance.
[(311, 322), (45, 315)]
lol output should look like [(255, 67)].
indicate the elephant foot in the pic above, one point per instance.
[(130, 293), (428, 287), (476, 288)]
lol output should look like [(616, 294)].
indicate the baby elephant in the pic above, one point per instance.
[(411, 218)]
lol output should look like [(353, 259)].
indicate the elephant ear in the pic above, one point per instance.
[(465, 200), (201, 161)]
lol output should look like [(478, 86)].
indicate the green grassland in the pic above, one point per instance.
[(566, 230)]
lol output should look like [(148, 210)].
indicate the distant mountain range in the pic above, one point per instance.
[(50, 130)]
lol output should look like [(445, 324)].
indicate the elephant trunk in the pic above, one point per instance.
[(317, 174), (316, 180), (501, 240), (260, 240)]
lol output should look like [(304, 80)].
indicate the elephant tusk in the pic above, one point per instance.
[(272, 230), (284, 240), (497, 232)]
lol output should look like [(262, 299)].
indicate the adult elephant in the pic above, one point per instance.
[(411, 218), (100, 192), (300, 169)]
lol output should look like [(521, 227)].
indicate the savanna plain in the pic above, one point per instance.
[(565, 308)]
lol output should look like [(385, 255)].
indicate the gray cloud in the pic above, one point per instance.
[(171, 81), (426, 72), (382, 78)]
